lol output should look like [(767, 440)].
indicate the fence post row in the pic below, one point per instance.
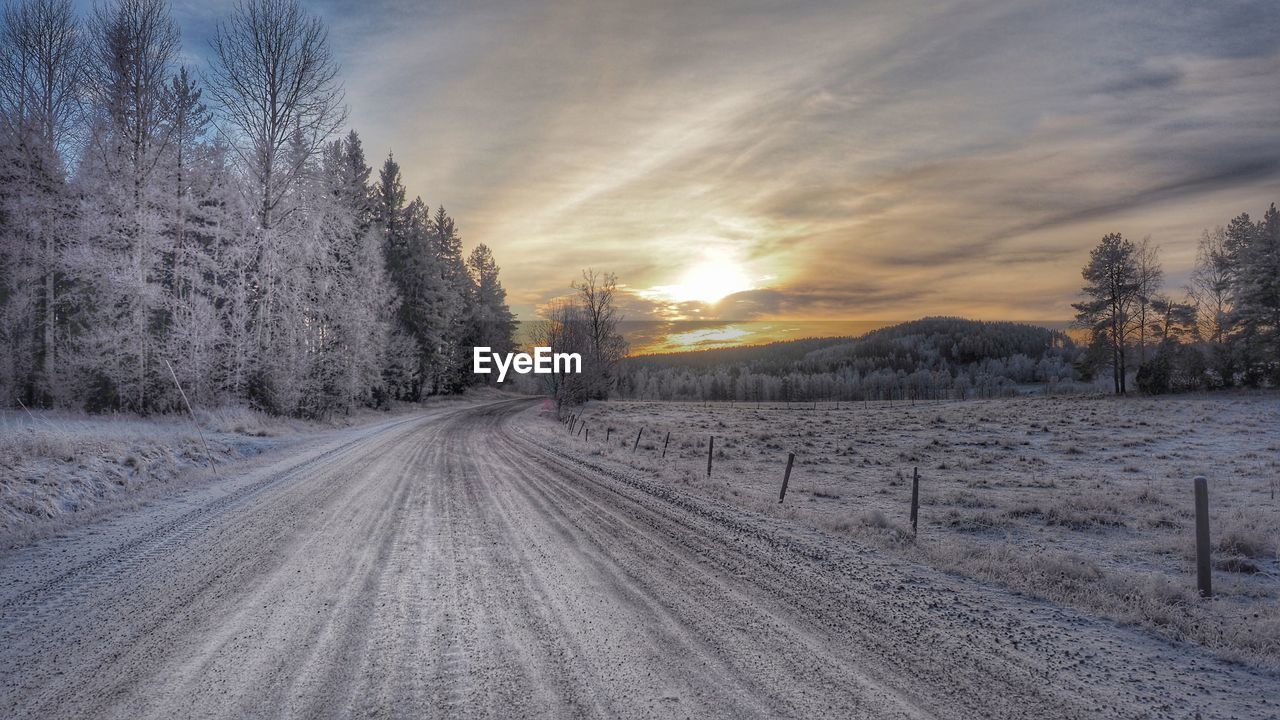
[(1203, 568), (786, 478)]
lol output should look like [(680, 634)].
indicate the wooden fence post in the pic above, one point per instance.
[(586, 435), (636, 444), (664, 443), (786, 477), (915, 498), (1203, 568), (711, 445)]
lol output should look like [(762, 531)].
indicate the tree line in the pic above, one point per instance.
[(931, 358), (1224, 329), (213, 226)]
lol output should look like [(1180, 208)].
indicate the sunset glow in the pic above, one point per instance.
[(956, 158), (709, 282)]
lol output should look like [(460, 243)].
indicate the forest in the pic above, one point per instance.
[(215, 229)]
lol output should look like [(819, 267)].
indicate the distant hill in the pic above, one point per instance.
[(923, 357), (932, 341), (777, 355)]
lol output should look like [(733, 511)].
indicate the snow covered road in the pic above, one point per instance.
[(446, 565)]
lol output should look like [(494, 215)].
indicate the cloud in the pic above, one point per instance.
[(861, 160)]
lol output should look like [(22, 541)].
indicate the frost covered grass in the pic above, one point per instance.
[(60, 467), (1083, 500)]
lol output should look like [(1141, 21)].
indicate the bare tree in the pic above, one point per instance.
[(1150, 275), (42, 62), (135, 46), (564, 328), (606, 347), (277, 85), (1211, 285)]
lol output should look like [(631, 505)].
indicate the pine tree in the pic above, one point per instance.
[(1111, 290), (452, 300), (1257, 308), (408, 266), (493, 323)]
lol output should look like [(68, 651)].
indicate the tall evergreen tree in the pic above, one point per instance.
[(494, 324), (452, 300), (1257, 308)]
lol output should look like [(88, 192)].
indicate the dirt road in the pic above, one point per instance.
[(444, 565)]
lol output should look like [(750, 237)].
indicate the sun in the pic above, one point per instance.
[(709, 281)]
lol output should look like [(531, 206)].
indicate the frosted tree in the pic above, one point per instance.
[(42, 60), (450, 297), (201, 219), (410, 266), (596, 294), (1150, 275), (1212, 289), (252, 255), (123, 264), (358, 304), (564, 326), (279, 100), (494, 325), (1257, 308), (1211, 285)]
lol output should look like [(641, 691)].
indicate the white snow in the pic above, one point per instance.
[(1086, 501)]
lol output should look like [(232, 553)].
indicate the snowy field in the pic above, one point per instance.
[(1086, 501)]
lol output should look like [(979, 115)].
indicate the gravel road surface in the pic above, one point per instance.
[(446, 565)]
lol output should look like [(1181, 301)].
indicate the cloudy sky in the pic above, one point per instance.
[(817, 160)]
